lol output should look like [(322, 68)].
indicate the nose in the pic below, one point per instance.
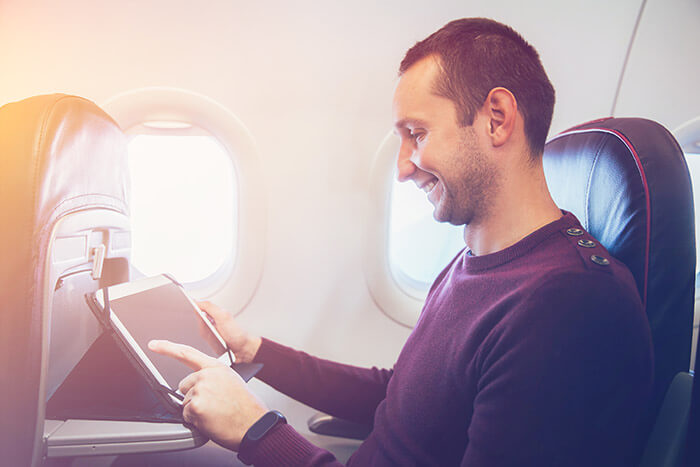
[(405, 167)]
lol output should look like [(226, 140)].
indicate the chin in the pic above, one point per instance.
[(441, 216), (437, 216), (445, 215)]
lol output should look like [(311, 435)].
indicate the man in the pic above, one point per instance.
[(526, 352)]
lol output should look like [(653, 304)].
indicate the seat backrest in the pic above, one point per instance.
[(627, 182), (65, 232)]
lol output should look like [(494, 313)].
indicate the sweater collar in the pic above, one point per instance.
[(492, 260)]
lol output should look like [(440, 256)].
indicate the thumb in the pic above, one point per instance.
[(184, 353), (217, 313)]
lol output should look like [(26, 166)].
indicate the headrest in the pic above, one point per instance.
[(58, 154), (627, 182)]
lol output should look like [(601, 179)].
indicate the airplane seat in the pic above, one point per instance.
[(627, 182), (64, 203)]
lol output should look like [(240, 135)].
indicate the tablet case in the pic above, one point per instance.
[(107, 385), (111, 383)]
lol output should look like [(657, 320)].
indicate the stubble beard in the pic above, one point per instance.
[(468, 198)]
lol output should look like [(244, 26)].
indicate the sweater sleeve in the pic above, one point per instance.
[(344, 391), (564, 382), (283, 445)]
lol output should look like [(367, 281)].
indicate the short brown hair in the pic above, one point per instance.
[(479, 54)]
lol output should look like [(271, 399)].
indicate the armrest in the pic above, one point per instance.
[(323, 424)]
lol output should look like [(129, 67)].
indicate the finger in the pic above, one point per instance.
[(216, 312), (188, 414), (187, 383), (184, 353)]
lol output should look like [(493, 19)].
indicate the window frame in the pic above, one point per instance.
[(237, 280), (688, 137), (400, 302)]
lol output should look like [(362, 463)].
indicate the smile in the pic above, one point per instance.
[(428, 187)]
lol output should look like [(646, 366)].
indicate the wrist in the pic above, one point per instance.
[(250, 349), (255, 434)]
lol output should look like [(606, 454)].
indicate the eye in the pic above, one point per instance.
[(417, 136)]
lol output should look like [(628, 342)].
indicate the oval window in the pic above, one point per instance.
[(183, 203)]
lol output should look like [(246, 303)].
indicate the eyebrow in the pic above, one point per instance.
[(415, 122)]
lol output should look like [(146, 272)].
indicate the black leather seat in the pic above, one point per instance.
[(627, 182)]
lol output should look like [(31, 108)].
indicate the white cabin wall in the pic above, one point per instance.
[(313, 82), (661, 78)]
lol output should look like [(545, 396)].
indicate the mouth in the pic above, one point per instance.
[(428, 186)]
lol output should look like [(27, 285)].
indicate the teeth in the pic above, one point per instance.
[(429, 186)]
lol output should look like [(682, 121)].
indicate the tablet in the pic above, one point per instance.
[(158, 308)]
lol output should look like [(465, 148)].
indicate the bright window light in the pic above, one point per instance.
[(693, 161), (183, 205), (419, 246)]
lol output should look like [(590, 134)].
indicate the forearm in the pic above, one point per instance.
[(344, 391)]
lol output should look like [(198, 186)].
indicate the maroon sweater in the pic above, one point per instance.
[(531, 356)]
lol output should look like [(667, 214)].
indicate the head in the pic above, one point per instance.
[(470, 87)]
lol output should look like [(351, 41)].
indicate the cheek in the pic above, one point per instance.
[(428, 157)]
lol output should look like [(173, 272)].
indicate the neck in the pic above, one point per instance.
[(522, 207)]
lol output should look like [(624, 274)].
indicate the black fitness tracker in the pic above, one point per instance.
[(258, 431)]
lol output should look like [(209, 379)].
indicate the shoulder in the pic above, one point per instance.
[(576, 288), (579, 286), (575, 315), (573, 248), (573, 261), (584, 312)]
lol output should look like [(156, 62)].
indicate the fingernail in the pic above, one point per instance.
[(153, 344)]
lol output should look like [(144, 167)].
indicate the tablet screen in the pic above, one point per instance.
[(165, 312)]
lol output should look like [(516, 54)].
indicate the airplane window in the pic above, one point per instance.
[(183, 204), (192, 162), (419, 246)]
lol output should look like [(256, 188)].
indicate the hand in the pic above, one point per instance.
[(217, 400), (243, 345)]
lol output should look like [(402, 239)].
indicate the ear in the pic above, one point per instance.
[(501, 110)]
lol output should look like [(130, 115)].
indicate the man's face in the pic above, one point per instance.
[(442, 158)]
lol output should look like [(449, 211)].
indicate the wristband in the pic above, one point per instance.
[(258, 431)]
